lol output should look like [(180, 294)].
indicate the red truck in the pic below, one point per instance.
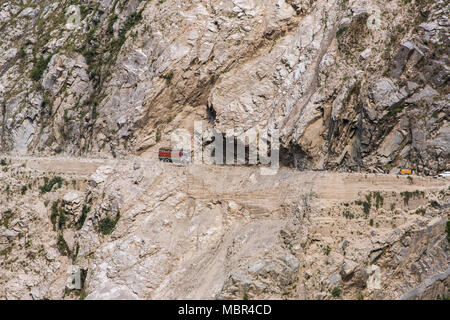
[(174, 155)]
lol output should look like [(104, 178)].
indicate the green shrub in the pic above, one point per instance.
[(54, 214), (365, 204), (379, 200), (6, 218), (134, 18), (62, 219), (406, 195), (420, 211), (48, 185), (410, 179), (336, 292), (83, 216), (347, 214), (107, 225), (62, 246), (168, 77), (158, 135), (435, 204), (39, 68), (366, 207)]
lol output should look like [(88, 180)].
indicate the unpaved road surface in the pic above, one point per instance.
[(246, 185)]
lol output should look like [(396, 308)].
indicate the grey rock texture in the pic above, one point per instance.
[(113, 77)]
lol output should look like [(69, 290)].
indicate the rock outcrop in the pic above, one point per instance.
[(339, 79)]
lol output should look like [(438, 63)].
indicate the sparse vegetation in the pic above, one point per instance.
[(79, 224), (39, 68), (336, 292), (347, 214), (365, 204), (62, 246), (406, 195), (5, 219), (168, 77), (435, 204), (351, 38), (106, 226), (54, 214), (379, 200), (420, 211), (62, 219), (48, 184), (158, 135), (447, 230)]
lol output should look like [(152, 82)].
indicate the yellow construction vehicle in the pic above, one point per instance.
[(406, 172)]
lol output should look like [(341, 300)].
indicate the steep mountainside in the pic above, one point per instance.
[(90, 89), (356, 83)]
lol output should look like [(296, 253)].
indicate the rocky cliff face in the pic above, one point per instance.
[(356, 83), (360, 84)]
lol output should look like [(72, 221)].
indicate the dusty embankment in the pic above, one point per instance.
[(145, 229)]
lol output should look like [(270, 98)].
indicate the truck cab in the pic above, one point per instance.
[(174, 155)]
